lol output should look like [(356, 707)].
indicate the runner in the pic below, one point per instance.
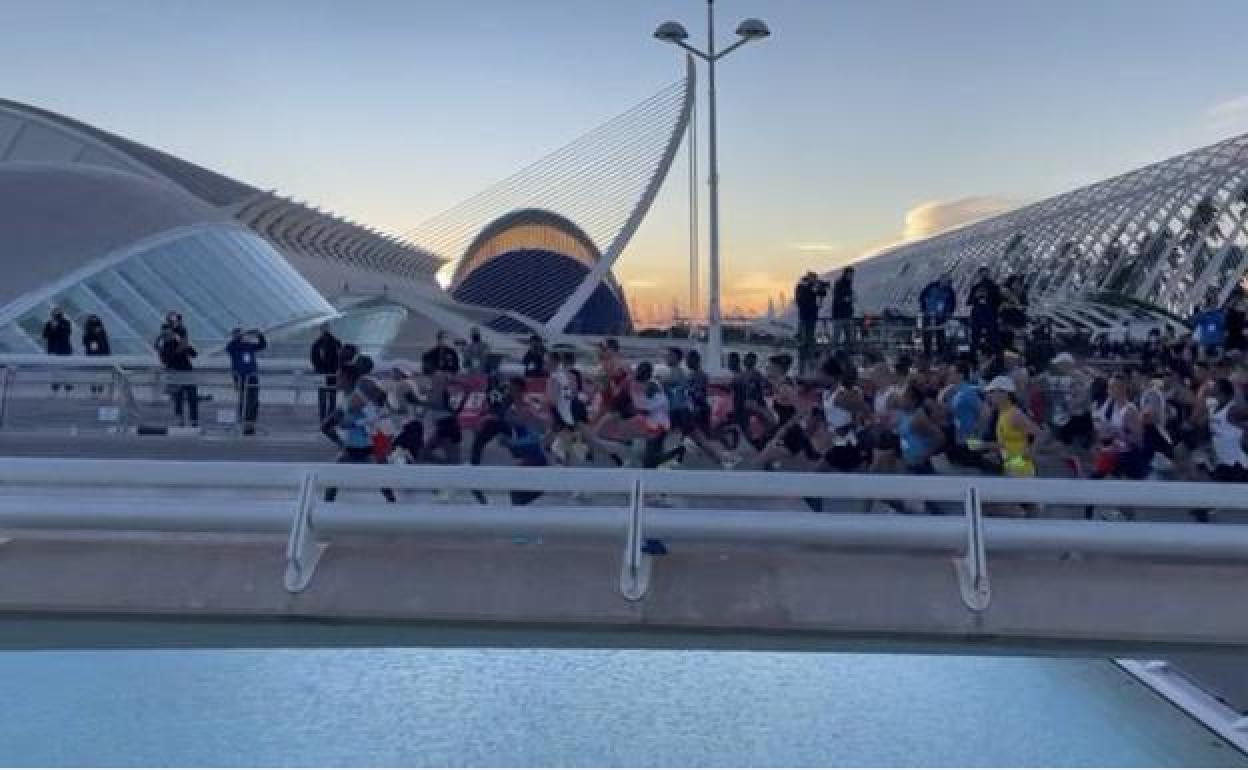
[(569, 417), (656, 420), (444, 445), (618, 412), (843, 408), (698, 388), (524, 437)]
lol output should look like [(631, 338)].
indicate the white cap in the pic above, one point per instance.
[(1063, 358), (1000, 384)]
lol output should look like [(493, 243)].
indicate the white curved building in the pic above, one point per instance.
[(1146, 246), (98, 224)]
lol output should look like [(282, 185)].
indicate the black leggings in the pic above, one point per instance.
[(357, 456), (655, 456), (486, 432)]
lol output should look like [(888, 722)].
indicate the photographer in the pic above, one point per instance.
[(242, 349), (843, 309), (808, 295), (936, 305)]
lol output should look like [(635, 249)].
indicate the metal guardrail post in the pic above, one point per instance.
[(635, 570), (972, 567), (303, 552), (5, 377)]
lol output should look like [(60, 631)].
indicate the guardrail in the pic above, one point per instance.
[(285, 498)]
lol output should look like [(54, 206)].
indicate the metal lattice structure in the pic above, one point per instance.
[(1170, 235), (604, 182)]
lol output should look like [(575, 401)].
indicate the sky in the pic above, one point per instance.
[(855, 126)]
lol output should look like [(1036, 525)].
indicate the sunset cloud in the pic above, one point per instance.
[(641, 283), (816, 247), (934, 217), (1229, 116)]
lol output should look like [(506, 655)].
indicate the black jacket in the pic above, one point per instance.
[(325, 353), (442, 358), (56, 336), (95, 340), (984, 300), (176, 353), (534, 363), (808, 298), (843, 298)]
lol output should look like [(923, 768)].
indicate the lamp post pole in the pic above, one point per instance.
[(715, 320), (673, 32)]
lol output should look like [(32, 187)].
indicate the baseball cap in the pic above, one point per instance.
[(1000, 384)]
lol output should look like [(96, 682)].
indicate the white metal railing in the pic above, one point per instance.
[(273, 498)]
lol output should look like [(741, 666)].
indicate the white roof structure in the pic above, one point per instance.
[(1163, 239), (33, 134)]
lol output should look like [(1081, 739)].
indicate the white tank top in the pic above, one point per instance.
[(655, 406), (1227, 437), (836, 416), (886, 416), (1113, 419), (564, 393)]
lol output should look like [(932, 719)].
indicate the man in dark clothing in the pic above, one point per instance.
[(534, 360), (176, 353), (936, 305), (843, 308), (95, 343), (324, 356), (242, 349), (808, 296), (57, 333), (1235, 317), (442, 357), (984, 301)]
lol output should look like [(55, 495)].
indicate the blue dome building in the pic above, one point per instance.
[(529, 262)]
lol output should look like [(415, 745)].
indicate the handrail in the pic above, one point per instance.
[(692, 483), (168, 503)]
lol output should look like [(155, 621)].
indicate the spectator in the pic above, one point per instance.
[(476, 353), (176, 354), (174, 320), (442, 357), (1210, 326), (95, 343), (984, 302), (324, 356), (534, 360), (843, 309), (242, 349), (808, 295), (1236, 311), (1013, 311), (936, 305), (57, 334), (351, 367)]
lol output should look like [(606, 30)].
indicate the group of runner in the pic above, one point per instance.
[(1169, 418)]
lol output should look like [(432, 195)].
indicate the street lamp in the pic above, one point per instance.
[(675, 33)]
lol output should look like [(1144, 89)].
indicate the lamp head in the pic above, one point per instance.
[(672, 32), (753, 29)]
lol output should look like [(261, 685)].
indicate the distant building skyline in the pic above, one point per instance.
[(856, 126)]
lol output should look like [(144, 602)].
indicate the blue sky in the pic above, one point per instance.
[(858, 123)]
